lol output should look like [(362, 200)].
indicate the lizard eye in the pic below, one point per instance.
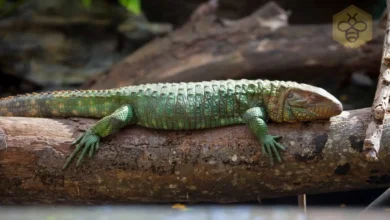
[(290, 95)]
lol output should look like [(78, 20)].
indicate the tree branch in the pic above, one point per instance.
[(381, 100), (261, 45), (215, 165)]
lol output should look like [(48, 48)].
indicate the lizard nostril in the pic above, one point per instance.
[(339, 108)]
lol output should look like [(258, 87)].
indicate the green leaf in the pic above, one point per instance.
[(86, 3), (2, 3), (132, 5)]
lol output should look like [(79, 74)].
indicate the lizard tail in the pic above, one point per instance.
[(78, 103)]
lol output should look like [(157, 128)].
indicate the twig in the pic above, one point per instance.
[(375, 128), (302, 202)]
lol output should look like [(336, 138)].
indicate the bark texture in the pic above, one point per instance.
[(374, 131), (215, 165)]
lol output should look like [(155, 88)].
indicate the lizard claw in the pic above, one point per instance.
[(277, 137), (89, 141), (271, 148)]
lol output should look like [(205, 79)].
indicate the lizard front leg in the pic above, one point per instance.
[(104, 127), (254, 118)]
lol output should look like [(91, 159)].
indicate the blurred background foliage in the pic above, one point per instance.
[(133, 6)]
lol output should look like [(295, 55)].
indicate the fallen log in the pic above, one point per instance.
[(214, 165), (261, 45)]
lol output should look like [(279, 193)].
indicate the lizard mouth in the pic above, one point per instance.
[(326, 110), (311, 112)]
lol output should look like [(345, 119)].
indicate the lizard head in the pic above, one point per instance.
[(308, 103), (296, 102)]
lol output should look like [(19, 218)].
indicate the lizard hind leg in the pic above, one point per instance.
[(254, 118), (89, 141)]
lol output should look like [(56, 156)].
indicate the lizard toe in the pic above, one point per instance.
[(86, 143)]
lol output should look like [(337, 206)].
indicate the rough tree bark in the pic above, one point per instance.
[(261, 45), (217, 165), (379, 107)]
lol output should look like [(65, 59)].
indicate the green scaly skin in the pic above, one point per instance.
[(181, 106)]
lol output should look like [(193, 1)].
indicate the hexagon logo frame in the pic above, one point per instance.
[(352, 27)]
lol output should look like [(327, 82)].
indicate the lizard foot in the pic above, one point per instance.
[(88, 142), (271, 147)]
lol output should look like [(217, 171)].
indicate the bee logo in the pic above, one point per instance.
[(352, 27)]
